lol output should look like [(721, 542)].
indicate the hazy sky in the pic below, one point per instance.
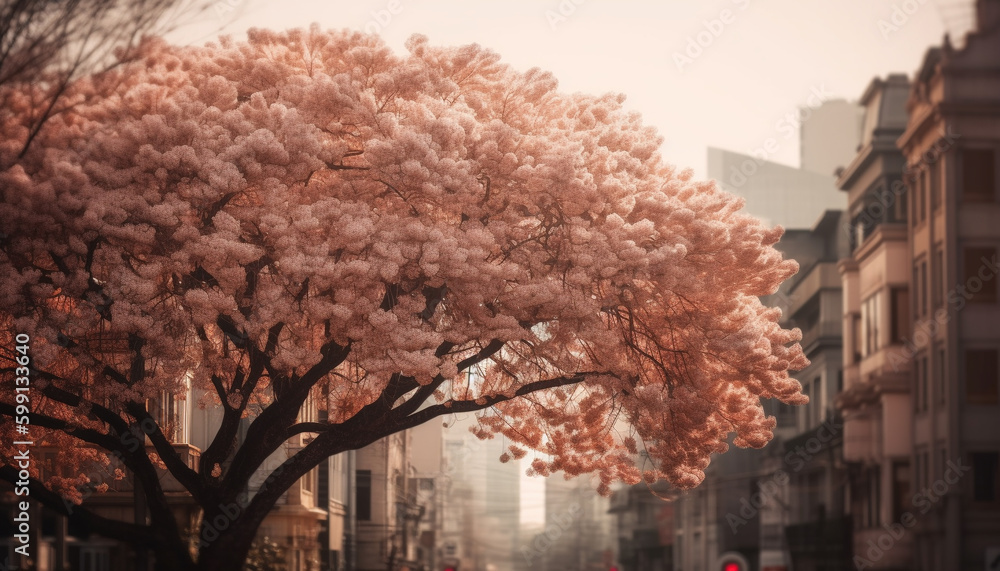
[(705, 73)]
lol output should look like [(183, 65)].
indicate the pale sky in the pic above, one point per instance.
[(756, 61)]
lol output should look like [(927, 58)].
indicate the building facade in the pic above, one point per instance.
[(384, 509), (951, 147), (802, 487), (875, 397), (578, 528), (783, 507)]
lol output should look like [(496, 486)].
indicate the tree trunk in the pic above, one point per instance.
[(168, 561), (139, 517), (228, 549)]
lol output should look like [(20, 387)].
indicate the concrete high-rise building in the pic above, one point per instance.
[(789, 196), (775, 193), (482, 508), (829, 135)]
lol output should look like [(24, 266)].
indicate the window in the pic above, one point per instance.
[(900, 206), (807, 390), (922, 196), (978, 175), (941, 382), (934, 178), (926, 463), (308, 481), (363, 496), (937, 278), (645, 515), (920, 392), (785, 414), (170, 412), (869, 325), (874, 497), (985, 476), (95, 559), (923, 288), (981, 376), (942, 457), (900, 314), (918, 471), (977, 276), (900, 488), (309, 410), (816, 404), (856, 341)]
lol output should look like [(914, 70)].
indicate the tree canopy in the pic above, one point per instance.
[(306, 216)]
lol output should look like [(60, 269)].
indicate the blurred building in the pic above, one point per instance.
[(578, 528), (875, 398), (777, 194), (802, 486), (482, 506), (783, 507), (951, 147), (336, 477), (384, 509), (427, 491), (704, 526), (643, 527), (789, 196), (829, 135)]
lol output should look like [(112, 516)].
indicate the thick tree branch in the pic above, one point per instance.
[(224, 441), (487, 401), (187, 477), (268, 430), (87, 435), (73, 400)]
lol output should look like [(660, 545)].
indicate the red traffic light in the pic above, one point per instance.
[(732, 561)]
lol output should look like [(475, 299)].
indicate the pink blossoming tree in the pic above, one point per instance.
[(306, 216)]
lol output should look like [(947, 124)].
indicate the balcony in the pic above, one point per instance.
[(888, 369), (824, 333), (823, 434), (859, 438)]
